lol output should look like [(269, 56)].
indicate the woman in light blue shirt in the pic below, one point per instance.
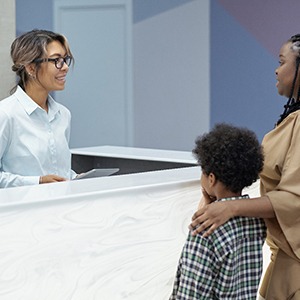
[(34, 129)]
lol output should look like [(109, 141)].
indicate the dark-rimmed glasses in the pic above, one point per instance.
[(59, 61)]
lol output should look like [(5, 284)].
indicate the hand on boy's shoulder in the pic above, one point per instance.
[(210, 217)]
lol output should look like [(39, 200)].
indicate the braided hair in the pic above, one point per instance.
[(293, 104)]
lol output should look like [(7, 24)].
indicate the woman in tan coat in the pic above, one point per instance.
[(279, 203)]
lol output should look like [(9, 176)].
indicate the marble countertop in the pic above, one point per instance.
[(138, 153), (107, 238), (95, 186)]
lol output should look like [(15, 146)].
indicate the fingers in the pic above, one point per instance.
[(209, 217), (197, 229), (197, 222), (207, 225), (207, 198), (196, 214), (198, 218), (51, 178), (211, 229), (58, 178), (204, 193), (201, 222)]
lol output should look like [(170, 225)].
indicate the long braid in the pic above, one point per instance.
[(292, 104), (298, 94)]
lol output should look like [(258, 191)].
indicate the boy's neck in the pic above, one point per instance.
[(219, 190), (222, 191), (228, 194)]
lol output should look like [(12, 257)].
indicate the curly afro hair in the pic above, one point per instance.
[(232, 154)]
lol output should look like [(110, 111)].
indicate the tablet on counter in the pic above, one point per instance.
[(97, 173)]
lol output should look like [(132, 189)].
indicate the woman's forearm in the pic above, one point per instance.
[(213, 215), (255, 207)]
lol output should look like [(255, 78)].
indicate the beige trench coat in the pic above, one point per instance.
[(280, 180)]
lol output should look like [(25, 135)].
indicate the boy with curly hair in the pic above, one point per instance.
[(228, 263)]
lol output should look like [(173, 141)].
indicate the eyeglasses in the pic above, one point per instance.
[(59, 61)]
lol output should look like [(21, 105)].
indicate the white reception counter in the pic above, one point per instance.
[(109, 238), (106, 238)]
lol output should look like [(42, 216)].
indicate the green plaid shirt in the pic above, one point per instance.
[(225, 265)]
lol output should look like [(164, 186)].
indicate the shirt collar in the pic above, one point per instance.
[(30, 106), (246, 196), (53, 108)]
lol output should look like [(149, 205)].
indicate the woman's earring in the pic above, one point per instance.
[(31, 76)]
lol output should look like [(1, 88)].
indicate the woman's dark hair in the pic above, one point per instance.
[(30, 46), (293, 104), (234, 155)]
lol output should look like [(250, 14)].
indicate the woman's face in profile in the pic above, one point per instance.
[(286, 71), (50, 77)]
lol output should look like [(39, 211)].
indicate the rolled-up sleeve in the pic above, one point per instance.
[(281, 181)]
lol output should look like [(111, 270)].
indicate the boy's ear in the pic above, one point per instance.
[(212, 179)]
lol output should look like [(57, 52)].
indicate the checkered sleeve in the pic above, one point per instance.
[(239, 251), (196, 270), (226, 265)]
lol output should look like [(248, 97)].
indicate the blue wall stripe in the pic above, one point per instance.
[(243, 90)]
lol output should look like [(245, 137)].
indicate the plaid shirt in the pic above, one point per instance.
[(225, 265)]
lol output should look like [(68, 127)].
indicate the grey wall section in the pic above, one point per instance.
[(143, 9), (7, 35), (171, 68), (99, 88), (31, 14), (171, 77)]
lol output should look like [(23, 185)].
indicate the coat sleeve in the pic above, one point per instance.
[(285, 198)]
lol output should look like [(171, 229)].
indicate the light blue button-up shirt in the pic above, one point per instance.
[(33, 142)]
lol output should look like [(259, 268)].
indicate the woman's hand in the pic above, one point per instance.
[(207, 198), (210, 216), (51, 178)]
